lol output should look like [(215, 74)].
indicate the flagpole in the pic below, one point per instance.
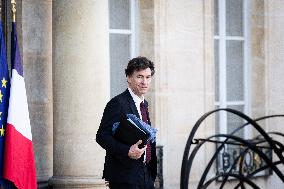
[(0, 10), (13, 2)]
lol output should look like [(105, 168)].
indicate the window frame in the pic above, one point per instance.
[(133, 31), (222, 39)]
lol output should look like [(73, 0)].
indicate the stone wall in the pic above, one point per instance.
[(184, 78), (274, 69)]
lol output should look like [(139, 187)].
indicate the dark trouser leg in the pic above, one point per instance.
[(130, 186), (144, 181), (122, 186), (148, 182)]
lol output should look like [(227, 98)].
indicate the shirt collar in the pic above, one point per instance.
[(135, 97)]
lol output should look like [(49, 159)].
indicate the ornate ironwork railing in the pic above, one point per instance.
[(237, 158), (242, 161)]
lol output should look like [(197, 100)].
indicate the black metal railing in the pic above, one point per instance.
[(236, 158), (159, 182)]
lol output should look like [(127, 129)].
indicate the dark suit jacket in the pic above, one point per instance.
[(118, 166)]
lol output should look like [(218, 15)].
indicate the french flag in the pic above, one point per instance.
[(19, 165)]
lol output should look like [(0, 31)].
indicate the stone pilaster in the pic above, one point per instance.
[(274, 66), (80, 89), (37, 59), (183, 43)]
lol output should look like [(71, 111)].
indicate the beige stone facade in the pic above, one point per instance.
[(65, 46)]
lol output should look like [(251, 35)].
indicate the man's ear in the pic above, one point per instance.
[(128, 79)]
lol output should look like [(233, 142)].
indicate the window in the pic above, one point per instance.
[(231, 62), (232, 72), (123, 43)]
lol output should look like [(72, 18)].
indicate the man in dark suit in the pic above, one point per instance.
[(128, 166)]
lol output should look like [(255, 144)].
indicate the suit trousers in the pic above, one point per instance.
[(145, 182)]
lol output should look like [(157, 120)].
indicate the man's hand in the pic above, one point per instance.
[(135, 152)]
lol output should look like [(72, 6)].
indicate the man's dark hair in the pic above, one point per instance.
[(139, 63)]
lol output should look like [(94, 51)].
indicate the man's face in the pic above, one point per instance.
[(139, 81)]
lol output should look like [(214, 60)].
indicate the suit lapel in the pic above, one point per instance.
[(132, 104)]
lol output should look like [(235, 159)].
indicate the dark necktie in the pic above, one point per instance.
[(144, 114)]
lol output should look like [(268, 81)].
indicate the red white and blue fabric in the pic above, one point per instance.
[(19, 166)]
